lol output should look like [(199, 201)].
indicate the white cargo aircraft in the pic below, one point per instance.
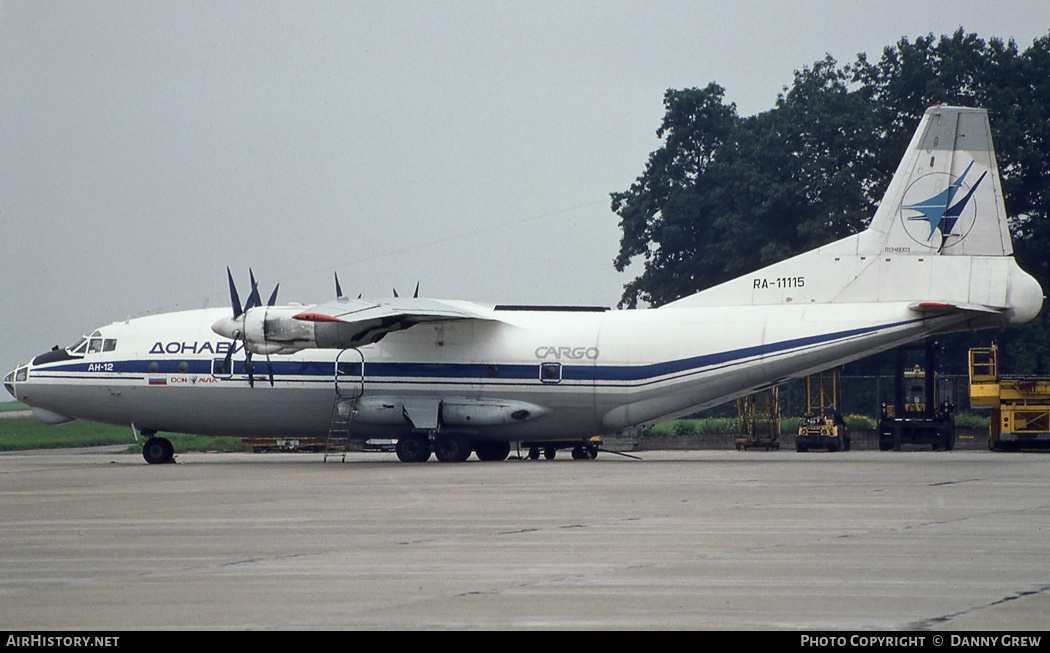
[(453, 377)]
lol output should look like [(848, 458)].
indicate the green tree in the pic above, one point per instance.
[(725, 194), (666, 210)]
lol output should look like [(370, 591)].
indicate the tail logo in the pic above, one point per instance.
[(939, 211)]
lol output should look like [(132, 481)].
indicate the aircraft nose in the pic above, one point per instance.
[(9, 382)]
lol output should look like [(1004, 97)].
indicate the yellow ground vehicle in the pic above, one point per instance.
[(1020, 405), (822, 427), (918, 414)]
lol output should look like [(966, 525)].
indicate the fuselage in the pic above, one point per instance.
[(530, 374)]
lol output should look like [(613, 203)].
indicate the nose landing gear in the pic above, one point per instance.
[(158, 451)]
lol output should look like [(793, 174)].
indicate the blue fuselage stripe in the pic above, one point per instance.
[(482, 372)]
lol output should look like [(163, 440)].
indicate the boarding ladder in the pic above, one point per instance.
[(349, 385), (339, 428)]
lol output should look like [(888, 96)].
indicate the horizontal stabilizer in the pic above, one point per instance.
[(941, 308)]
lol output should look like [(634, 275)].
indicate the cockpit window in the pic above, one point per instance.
[(92, 344)]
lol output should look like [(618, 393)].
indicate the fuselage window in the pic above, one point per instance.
[(218, 368), (550, 372), (94, 345)]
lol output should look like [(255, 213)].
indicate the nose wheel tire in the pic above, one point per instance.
[(158, 451)]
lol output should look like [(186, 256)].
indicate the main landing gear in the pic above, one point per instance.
[(413, 448), (488, 450), (449, 448), (158, 451)]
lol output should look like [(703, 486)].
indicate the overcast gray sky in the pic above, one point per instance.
[(145, 146)]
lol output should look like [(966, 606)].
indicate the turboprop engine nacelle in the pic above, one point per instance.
[(287, 329), (269, 330)]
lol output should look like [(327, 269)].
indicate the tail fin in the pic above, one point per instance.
[(939, 240), (945, 197)]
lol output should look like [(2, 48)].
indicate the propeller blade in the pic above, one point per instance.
[(234, 299), (249, 367), (338, 288), (228, 361), (269, 368), (395, 292), (415, 295), (253, 298), (238, 335), (273, 296)]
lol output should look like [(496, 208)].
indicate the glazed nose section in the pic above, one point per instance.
[(17, 375)]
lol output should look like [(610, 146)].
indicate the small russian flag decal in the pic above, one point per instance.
[(158, 380)]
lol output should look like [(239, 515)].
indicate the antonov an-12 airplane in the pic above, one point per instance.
[(453, 377)]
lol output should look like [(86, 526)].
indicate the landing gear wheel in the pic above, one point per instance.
[(549, 453), (413, 448), (592, 452), (491, 451), (157, 451), (452, 448), (577, 453), (801, 448), (534, 453)]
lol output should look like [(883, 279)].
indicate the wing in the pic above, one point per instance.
[(344, 322)]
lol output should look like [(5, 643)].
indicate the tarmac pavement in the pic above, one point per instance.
[(678, 540)]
